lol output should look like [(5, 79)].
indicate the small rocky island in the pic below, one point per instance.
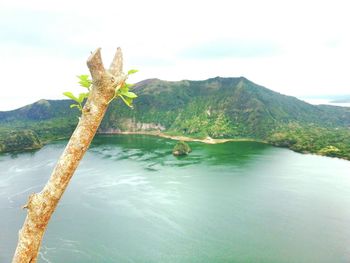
[(181, 148)]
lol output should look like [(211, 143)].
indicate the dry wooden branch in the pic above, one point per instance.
[(116, 66), (42, 205)]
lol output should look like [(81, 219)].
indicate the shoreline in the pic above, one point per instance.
[(207, 140), (210, 140)]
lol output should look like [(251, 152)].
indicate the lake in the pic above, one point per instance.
[(132, 201)]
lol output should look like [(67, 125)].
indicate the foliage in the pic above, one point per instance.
[(329, 150), (310, 138), (79, 100), (181, 148), (84, 81), (19, 141), (122, 91)]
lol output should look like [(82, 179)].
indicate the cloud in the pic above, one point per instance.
[(46, 32), (293, 47)]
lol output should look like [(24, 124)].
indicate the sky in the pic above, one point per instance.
[(298, 48)]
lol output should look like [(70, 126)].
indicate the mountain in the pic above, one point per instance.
[(220, 107), (217, 107), (49, 119)]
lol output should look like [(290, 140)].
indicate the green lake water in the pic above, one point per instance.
[(132, 201)]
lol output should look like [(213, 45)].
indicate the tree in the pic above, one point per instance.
[(40, 206)]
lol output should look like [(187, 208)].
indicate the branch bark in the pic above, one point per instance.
[(42, 205), (116, 66)]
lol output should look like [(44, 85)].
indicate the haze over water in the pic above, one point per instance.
[(132, 201)]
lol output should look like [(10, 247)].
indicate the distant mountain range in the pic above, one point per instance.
[(343, 100), (330, 97), (336, 100), (217, 107)]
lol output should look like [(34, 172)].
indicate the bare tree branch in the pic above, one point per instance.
[(41, 205), (116, 66), (95, 65)]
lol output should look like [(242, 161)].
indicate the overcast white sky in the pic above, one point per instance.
[(294, 47)]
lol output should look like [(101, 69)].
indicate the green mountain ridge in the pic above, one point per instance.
[(216, 107)]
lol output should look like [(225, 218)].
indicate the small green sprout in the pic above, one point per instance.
[(84, 81), (122, 91), (79, 100)]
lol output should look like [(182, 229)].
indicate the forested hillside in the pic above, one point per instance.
[(217, 107)]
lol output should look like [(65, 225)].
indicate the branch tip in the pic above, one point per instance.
[(116, 67), (97, 52), (95, 64)]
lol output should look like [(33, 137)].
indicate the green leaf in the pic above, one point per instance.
[(132, 71), (71, 96), (123, 89), (84, 81), (130, 95), (74, 105), (82, 96), (130, 101), (83, 77), (127, 101), (129, 85)]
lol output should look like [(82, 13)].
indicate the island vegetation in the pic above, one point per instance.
[(181, 148)]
